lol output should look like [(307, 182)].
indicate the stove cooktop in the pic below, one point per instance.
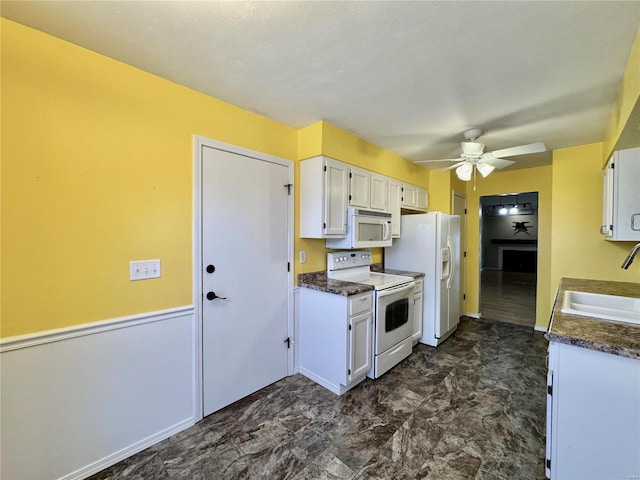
[(379, 281)]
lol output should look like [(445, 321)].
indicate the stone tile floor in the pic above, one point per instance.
[(474, 408)]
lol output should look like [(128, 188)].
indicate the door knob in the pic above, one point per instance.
[(211, 269), (213, 296)]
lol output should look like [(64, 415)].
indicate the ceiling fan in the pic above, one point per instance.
[(474, 159)]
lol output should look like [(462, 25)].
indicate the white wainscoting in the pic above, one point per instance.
[(77, 400)]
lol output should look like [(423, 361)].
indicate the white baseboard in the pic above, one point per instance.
[(472, 315), (79, 399), (137, 447), (540, 328)]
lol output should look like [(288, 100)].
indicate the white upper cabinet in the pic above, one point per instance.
[(328, 187), (323, 198), (421, 199), (409, 196), (359, 181), (621, 196), (395, 198), (414, 198), (379, 193), (368, 190)]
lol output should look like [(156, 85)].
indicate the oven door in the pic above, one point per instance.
[(394, 316)]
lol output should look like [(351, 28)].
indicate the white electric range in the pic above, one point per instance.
[(393, 306)]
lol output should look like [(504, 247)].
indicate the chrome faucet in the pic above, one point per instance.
[(629, 260)]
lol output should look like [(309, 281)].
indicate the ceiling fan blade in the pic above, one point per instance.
[(434, 161), (521, 150), (495, 162), (455, 165)]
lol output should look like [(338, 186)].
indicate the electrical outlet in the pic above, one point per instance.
[(143, 269), (303, 256)]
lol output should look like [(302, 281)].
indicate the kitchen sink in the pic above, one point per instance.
[(596, 305)]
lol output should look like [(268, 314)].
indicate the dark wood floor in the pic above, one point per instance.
[(508, 297)]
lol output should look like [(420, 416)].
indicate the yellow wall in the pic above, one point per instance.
[(578, 248), (97, 171), (515, 181), (441, 188), (628, 98), (97, 168)]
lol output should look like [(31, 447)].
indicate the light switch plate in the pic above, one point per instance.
[(144, 269)]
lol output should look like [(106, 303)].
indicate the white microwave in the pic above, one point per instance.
[(365, 229)]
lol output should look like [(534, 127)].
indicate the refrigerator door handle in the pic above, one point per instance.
[(451, 263)]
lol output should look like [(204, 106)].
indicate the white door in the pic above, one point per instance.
[(244, 275)]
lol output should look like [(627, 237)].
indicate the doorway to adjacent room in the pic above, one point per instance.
[(509, 257)]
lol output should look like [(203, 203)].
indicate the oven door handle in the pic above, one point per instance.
[(399, 289)]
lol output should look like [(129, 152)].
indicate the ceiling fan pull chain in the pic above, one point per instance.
[(474, 178)]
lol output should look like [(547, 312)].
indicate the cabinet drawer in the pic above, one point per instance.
[(359, 304), (418, 288)]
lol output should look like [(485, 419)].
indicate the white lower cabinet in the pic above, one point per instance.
[(417, 310), (335, 338), (593, 415)]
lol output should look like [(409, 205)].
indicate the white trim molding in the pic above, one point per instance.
[(56, 335)]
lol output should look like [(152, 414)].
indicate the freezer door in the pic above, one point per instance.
[(444, 267), (454, 280)]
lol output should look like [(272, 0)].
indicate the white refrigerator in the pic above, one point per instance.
[(430, 243)]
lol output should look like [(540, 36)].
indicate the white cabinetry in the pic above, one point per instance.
[(395, 198), (335, 335), (621, 196), (323, 198), (417, 310), (409, 196), (368, 190), (359, 187), (414, 198), (379, 193), (593, 414), (422, 201)]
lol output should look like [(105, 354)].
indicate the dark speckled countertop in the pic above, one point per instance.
[(602, 335), (319, 281)]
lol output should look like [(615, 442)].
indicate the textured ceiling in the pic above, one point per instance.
[(408, 76)]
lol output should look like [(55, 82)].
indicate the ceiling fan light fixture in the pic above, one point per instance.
[(485, 169), (464, 171), (473, 148)]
